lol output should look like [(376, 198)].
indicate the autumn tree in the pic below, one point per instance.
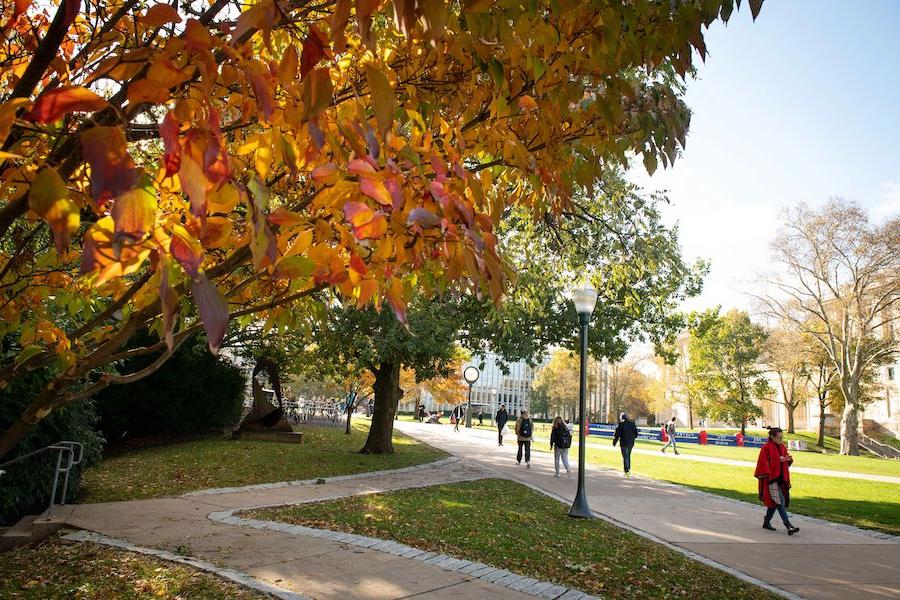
[(725, 355), (820, 376), (179, 166), (786, 355), (628, 388), (839, 283), (558, 381)]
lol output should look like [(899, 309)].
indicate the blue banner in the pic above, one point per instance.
[(683, 437)]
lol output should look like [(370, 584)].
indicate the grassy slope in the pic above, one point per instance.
[(215, 462), (58, 569), (528, 534)]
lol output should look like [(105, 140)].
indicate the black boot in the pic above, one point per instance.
[(768, 525), (792, 530)]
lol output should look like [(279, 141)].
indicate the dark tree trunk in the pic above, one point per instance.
[(822, 408), (744, 427), (387, 398), (790, 414), (690, 408)]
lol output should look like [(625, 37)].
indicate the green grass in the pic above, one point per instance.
[(57, 569), (868, 504), (217, 462), (528, 533)]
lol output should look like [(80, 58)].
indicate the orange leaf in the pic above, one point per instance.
[(395, 298), (316, 92), (135, 211), (186, 250), (57, 102), (159, 15), (375, 190), (49, 198)]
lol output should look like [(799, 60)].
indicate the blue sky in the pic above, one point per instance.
[(800, 106)]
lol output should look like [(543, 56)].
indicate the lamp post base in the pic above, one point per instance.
[(580, 508)]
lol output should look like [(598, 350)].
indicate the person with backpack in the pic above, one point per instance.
[(626, 433), (500, 419), (560, 442), (524, 431), (774, 477), (670, 431)]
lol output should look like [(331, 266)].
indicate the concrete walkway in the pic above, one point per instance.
[(823, 561), (310, 566)]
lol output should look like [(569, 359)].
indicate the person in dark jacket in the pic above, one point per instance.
[(560, 441), (500, 419), (626, 433)]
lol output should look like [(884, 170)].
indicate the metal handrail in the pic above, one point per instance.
[(73, 452)]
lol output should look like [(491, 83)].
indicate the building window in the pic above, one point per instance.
[(890, 373)]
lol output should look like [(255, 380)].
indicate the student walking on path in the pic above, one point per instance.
[(500, 419), (626, 433), (458, 413), (524, 431), (670, 432), (773, 474), (560, 442)]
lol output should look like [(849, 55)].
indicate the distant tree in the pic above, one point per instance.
[(627, 388), (839, 282), (558, 381), (724, 362), (785, 355), (820, 377)]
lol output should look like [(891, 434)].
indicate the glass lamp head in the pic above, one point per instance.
[(470, 374), (585, 299)]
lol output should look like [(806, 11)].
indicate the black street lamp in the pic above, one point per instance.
[(470, 374), (584, 299)]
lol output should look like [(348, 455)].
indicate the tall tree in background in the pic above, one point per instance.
[(785, 354), (627, 388), (558, 382), (820, 377), (175, 167), (839, 283), (725, 353)]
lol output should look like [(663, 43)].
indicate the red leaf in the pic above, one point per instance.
[(213, 309), (357, 264), (55, 103), (313, 50), (263, 92), (366, 222), (339, 19), (168, 131), (112, 170), (19, 7), (186, 250)]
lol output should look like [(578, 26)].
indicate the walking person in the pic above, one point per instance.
[(560, 442), (626, 433), (524, 431), (500, 419), (457, 416), (670, 431), (773, 474), (480, 418)]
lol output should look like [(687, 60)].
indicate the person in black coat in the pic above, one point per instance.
[(500, 419), (626, 433)]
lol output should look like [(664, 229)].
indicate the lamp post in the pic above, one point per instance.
[(584, 299), (470, 374)]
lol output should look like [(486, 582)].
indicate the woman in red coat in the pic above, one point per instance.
[(773, 474)]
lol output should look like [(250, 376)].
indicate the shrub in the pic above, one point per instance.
[(193, 393), (25, 488)]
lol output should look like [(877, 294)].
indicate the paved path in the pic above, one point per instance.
[(311, 566), (822, 562), (734, 462)]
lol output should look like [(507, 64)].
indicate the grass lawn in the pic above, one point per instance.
[(528, 534), (58, 569), (219, 462), (868, 504)]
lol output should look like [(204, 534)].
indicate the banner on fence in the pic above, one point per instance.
[(683, 437)]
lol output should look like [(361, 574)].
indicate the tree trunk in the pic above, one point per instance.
[(744, 427), (690, 416), (387, 398), (822, 408), (790, 415), (849, 425)]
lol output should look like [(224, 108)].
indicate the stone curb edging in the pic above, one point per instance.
[(477, 570), (283, 484), (223, 573)]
